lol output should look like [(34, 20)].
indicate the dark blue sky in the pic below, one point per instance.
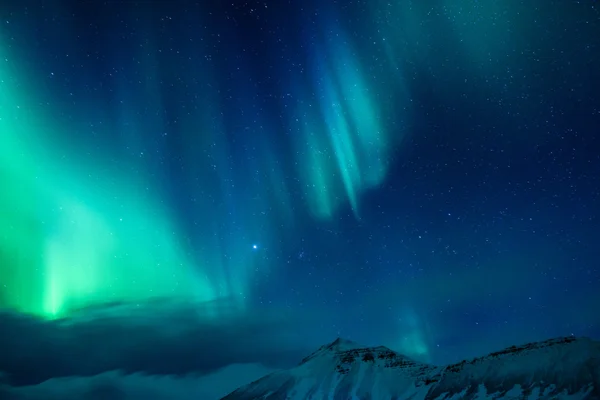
[(419, 174)]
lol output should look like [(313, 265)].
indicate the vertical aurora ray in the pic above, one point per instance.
[(342, 143), (19, 198), (363, 114), (413, 335), (317, 171), (357, 147), (320, 197), (75, 231)]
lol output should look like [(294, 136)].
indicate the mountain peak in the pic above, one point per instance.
[(341, 344), (343, 352), (558, 368)]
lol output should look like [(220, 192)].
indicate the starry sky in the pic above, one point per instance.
[(423, 175)]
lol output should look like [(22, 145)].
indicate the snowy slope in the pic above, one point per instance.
[(564, 368)]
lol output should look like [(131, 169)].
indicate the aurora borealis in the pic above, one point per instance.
[(72, 234), (102, 226), (422, 175)]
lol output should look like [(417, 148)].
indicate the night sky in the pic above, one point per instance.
[(196, 185)]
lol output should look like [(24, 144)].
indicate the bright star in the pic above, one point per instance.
[(254, 246)]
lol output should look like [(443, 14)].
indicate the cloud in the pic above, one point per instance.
[(115, 385), (156, 338)]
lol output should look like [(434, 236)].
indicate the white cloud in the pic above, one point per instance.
[(118, 386)]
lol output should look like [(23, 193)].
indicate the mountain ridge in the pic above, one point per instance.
[(557, 368)]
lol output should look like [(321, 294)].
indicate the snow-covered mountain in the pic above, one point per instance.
[(563, 368)]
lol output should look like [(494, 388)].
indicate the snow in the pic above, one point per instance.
[(563, 368)]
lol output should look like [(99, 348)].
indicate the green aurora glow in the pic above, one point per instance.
[(80, 228), (71, 234)]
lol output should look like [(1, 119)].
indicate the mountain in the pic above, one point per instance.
[(563, 368)]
